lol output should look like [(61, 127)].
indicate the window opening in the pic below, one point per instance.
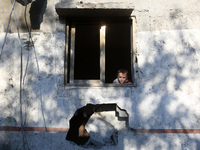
[(97, 49)]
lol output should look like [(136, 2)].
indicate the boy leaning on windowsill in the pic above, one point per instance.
[(122, 77)]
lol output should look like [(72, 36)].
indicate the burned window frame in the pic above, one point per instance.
[(70, 58)]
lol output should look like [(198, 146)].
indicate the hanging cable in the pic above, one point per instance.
[(21, 72), (31, 40), (38, 70), (30, 44), (12, 8)]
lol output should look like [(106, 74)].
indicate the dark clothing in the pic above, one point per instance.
[(80, 117)]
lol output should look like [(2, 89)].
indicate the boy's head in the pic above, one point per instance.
[(122, 75)]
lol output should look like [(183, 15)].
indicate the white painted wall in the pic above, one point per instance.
[(168, 50)]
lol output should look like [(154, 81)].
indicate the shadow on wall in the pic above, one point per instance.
[(158, 101), (37, 11)]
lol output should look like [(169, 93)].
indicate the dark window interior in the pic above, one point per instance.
[(87, 52)]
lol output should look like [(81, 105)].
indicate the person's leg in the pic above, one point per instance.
[(83, 132)]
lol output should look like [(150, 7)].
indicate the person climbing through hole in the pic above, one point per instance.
[(122, 77), (77, 132)]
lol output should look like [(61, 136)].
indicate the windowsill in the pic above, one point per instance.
[(99, 85)]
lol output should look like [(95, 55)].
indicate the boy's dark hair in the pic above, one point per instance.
[(122, 71)]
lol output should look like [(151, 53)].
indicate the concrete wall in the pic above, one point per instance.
[(168, 50)]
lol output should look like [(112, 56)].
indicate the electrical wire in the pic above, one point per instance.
[(31, 40), (21, 72), (29, 32), (38, 70), (12, 8)]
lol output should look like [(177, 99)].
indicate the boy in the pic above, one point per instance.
[(122, 77)]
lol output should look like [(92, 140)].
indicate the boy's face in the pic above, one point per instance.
[(122, 77)]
